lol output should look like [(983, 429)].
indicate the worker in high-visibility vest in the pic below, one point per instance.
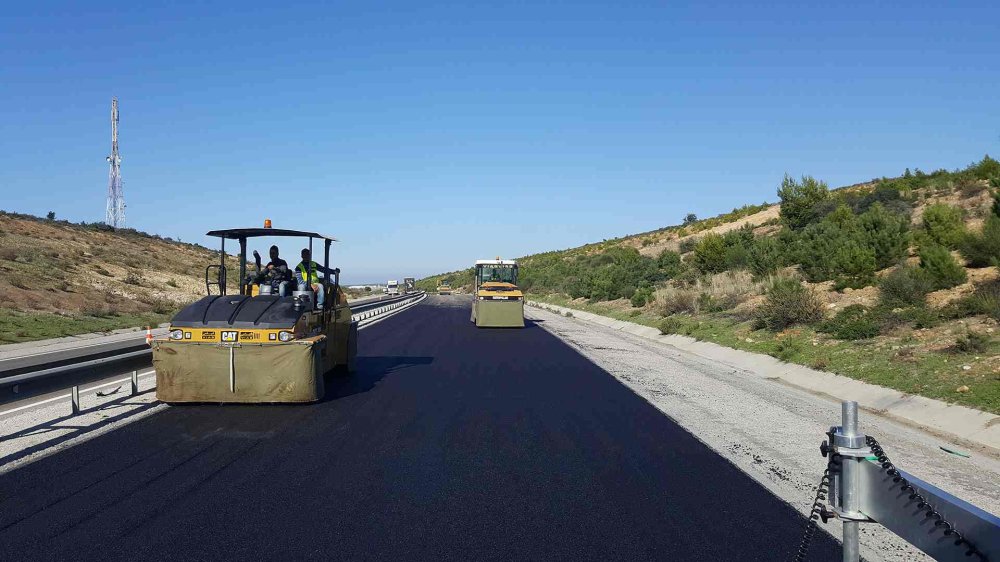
[(302, 271)]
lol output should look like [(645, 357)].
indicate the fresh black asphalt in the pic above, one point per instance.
[(449, 443)]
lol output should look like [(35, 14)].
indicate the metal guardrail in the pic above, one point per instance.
[(866, 487), (93, 370)]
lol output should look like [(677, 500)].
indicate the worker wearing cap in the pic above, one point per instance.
[(315, 273)]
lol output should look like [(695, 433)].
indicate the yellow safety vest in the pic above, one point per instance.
[(314, 278)]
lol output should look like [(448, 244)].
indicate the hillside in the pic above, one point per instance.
[(892, 281), (58, 278)]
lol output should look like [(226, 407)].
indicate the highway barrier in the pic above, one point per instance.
[(73, 376), (863, 486)]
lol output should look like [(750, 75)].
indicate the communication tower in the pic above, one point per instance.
[(115, 211)]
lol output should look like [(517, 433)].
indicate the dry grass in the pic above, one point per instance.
[(720, 292)]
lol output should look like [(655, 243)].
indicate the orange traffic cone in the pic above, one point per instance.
[(149, 336)]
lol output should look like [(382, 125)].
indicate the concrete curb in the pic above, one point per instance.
[(964, 424)]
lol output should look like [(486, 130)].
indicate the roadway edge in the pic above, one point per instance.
[(965, 425)]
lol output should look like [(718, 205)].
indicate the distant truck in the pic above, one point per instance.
[(409, 285), (392, 287)]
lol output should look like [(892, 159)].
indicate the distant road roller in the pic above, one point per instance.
[(273, 341), (444, 288), (497, 301)]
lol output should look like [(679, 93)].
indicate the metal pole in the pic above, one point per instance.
[(135, 383), (850, 482), (75, 399)]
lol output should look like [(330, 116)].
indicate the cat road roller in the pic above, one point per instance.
[(444, 288), (497, 302), (273, 341)]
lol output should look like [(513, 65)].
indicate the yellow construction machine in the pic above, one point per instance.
[(267, 343), (444, 287), (497, 301)]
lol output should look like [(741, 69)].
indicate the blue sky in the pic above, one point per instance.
[(427, 135)]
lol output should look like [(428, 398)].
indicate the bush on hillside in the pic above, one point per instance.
[(943, 225), (888, 234), (904, 286), (678, 301), (688, 245), (799, 200), (766, 256), (642, 296), (940, 267), (972, 342), (854, 322), (984, 169), (710, 254), (854, 265), (982, 249), (985, 300), (669, 263), (788, 302), (669, 326)]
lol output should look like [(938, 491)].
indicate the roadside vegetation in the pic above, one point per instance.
[(894, 281), (58, 278)]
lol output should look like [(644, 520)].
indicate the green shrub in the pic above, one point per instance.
[(985, 300), (904, 286), (786, 349), (854, 265), (710, 254), (940, 267), (799, 200), (669, 263), (788, 302), (642, 296), (669, 326), (737, 257), (852, 323), (688, 245), (972, 342), (766, 256), (982, 249), (984, 169), (943, 224), (886, 233)]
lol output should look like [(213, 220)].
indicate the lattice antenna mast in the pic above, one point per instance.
[(115, 211)]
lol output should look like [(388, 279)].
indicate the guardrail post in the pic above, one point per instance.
[(75, 399), (135, 382)]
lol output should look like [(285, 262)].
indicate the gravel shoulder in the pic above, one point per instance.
[(769, 430)]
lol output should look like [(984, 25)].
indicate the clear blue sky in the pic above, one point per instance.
[(426, 135)]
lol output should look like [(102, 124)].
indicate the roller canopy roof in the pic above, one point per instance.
[(237, 233), (496, 262)]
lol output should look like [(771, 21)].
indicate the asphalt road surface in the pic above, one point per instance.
[(450, 443)]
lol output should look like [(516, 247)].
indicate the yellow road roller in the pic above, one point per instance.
[(272, 341), (497, 302), (444, 288)]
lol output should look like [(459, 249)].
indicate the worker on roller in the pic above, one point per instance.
[(312, 270), (276, 271)]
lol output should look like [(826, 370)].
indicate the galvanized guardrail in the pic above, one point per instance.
[(864, 486), (89, 371)]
